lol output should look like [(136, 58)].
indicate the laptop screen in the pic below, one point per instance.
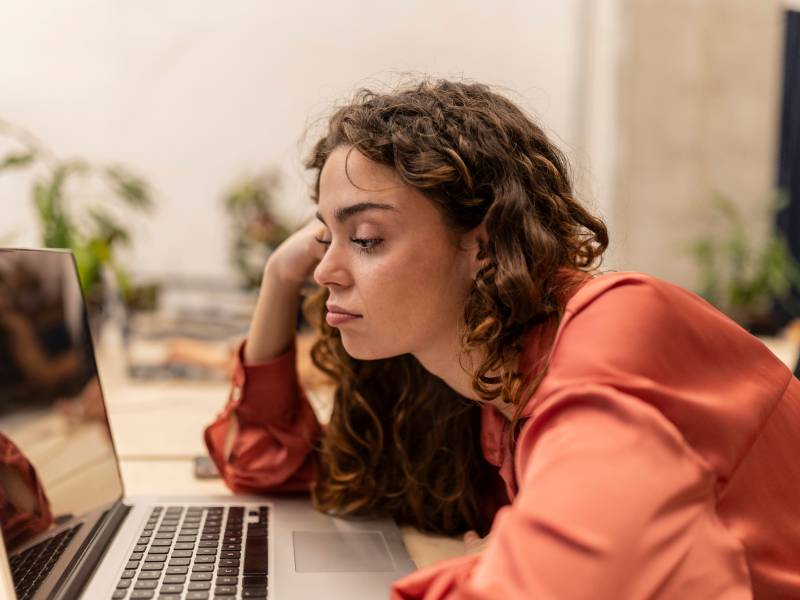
[(57, 459)]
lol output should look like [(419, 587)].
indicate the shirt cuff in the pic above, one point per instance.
[(266, 393)]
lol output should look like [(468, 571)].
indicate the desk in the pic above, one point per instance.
[(157, 430)]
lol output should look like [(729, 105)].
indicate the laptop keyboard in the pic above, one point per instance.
[(197, 553), (31, 567)]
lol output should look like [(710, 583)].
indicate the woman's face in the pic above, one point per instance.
[(398, 267)]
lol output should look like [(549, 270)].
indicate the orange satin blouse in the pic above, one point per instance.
[(659, 458)]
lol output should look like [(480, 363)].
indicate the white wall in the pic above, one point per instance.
[(192, 94)]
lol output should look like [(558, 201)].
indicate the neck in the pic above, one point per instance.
[(446, 366)]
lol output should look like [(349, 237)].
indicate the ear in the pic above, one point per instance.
[(477, 243)]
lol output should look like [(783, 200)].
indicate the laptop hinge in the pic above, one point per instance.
[(83, 564)]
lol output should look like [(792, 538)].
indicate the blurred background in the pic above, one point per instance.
[(162, 142)]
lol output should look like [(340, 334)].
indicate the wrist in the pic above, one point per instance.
[(275, 276)]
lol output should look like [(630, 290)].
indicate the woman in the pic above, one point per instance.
[(613, 434)]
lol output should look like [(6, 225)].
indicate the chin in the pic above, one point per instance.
[(360, 351)]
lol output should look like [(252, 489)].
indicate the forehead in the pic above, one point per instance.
[(348, 177), (347, 170)]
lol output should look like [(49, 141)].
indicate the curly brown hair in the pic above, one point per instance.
[(400, 440)]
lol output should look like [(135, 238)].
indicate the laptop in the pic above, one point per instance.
[(68, 529)]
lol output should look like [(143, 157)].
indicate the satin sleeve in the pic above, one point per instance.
[(612, 504), (18, 526), (269, 446)]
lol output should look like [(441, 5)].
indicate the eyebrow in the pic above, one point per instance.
[(344, 213)]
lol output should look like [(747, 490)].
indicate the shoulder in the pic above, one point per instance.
[(626, 325), (631, 289), (630, 306)]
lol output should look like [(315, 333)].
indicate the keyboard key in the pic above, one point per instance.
[(134, 564), (158, 550), (181, 554), (199, 585), (197, 596), (145, 584), (128, 573), (177, 570), (223, 562), (179, 562), (224, 590), (254, 592), (227, 571), (171, 588), (155, 558), (124, 584), (202, 568), (149, 575), (142, 594), (186, 545), (227, 580), (200, 577), (152, 566), (174, 578), (119, 594), (210, 559)]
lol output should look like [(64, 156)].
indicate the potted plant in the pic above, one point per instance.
[(740, 278), (255, 231), (93, 231)]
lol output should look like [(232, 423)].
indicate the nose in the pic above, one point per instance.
[(332, 269)]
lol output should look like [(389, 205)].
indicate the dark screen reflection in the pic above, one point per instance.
[(56, 456)]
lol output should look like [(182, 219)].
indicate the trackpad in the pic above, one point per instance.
[(338, 552)]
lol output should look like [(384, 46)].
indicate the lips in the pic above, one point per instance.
[(335, 308)]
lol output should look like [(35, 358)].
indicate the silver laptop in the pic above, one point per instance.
[(70, 532)]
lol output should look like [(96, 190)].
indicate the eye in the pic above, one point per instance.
[(365, 245)]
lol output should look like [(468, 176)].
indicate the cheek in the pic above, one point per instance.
[(384, 285), (412, 288)]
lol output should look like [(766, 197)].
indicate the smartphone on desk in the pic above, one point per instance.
[(204, 468)]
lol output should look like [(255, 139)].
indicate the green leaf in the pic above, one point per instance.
[(89, 270), (101, 250), (57, 229), (130, 188), (17, 160), (108, 228)]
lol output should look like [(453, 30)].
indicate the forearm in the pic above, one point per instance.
[(272, 328)]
